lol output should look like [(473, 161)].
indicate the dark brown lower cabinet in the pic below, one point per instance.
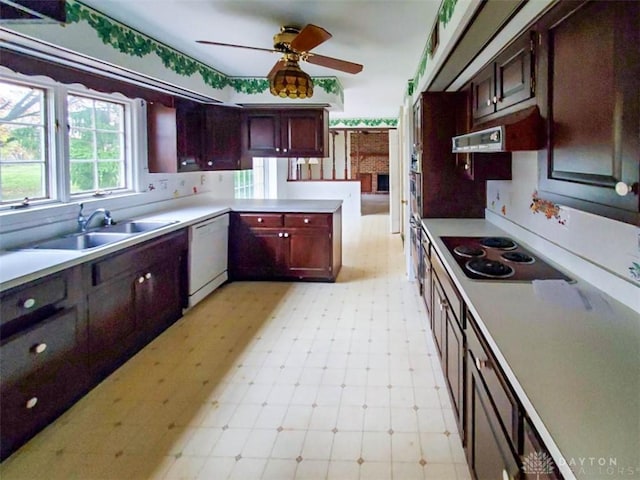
[(134, 295), (273, 246), (43, 355), (489, 453), (497, 435)]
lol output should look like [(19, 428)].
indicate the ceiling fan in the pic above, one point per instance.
[(295, 44)]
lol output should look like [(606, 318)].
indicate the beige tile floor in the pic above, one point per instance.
[(273, 381)]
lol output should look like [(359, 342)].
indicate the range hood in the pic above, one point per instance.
[(516, 132)]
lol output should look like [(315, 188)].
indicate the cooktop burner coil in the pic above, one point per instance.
[(490, 268), (503, 243), (469, 251), (518, 257)]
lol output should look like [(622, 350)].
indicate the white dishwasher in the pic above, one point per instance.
[(208, 246)]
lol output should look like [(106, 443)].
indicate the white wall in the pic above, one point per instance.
[(611, 245), (395, 183)]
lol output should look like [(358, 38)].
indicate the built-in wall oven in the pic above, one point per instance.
[(415, 194), (415, 231)]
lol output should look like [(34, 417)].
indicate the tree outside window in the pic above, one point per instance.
[(23, 141)]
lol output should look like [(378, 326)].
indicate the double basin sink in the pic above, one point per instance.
[(101, 236)]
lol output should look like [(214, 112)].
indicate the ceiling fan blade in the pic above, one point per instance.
[(207, 42), (309, 37), (276, 68), (334, 63)]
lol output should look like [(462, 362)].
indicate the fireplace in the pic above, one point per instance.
[(383, 182)]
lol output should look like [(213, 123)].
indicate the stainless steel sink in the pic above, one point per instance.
[(81, 241), (135, 226)]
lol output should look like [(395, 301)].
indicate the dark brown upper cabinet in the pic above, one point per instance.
[(33, 11), (590, 55), (193, 136), (221, 142), (505, 82), (161, 138), (285, 133)]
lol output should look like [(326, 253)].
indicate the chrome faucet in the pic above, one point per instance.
[(84, 222)]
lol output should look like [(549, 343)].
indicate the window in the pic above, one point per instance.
[(42, 162), (253, 183), (23, 142), (243, 184), (96, 144)]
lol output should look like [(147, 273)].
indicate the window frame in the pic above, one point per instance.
[(58, 165)]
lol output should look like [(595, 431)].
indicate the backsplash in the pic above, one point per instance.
[(26, 226), (611, 245)]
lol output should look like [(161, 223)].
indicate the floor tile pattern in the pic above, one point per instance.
[(273, 380)]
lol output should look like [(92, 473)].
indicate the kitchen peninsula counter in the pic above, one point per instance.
[(576, 371)]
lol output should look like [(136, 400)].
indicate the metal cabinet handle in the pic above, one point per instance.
[(32, 402), (260, 220), (147, 275), (141, 280), (489, 102), (480, 363), (443, 305), (284, 150), (183, 163), (29, 303), (623, 188), (38, 348), (277, 149), (286, 235), (495, 99), (306, 220), (281, 234), (210, 163)]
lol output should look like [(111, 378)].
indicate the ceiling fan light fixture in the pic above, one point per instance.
[(291, 82)]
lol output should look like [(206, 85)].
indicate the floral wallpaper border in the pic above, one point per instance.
[(133, 43), (444, 17), (364, 122)]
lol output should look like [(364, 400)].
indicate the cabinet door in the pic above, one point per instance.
[(454, 370), (162, 139), (438, 316), (189, 128), (484, 92), (261, 133), (113, 330), (514, 74), (303, 133), (255, 253), (221, 143), (593, 110), (308, 252), (157, 295), (490, 454)]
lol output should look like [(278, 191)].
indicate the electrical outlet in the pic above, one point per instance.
[(163, 184), (203, 179)]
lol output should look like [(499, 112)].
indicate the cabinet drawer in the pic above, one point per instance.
[(43, 344), (494, 381), (140, 255), (28, 406), (22, 301), (262, 219), (451, 292), (307, 220)]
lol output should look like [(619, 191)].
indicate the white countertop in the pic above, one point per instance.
[(576, 372), (21, 266)]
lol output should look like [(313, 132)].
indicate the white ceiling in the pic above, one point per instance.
[(386, 36)]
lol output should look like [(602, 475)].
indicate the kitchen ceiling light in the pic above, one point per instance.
[(291, 82)]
